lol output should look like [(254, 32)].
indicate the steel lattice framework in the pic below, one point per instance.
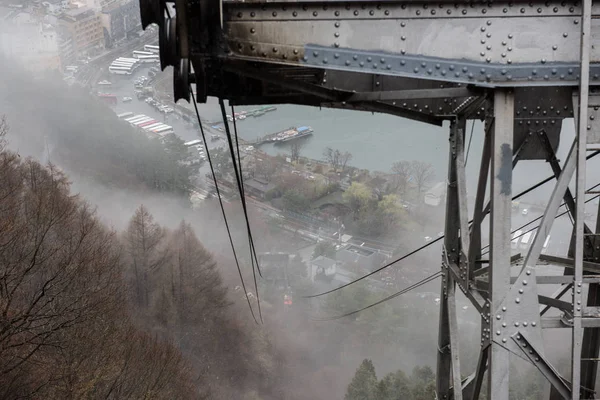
[(522, 67)]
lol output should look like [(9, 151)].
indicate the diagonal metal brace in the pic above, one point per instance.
[(538, 360)]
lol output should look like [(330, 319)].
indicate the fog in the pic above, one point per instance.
[(46, 117)]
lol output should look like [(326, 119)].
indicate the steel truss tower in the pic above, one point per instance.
[(522, 67)]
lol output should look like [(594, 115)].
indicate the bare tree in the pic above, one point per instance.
[(295, 149), (422, 173), (3, 132), (345, 158), (401, 171), (59, 270), (332, 157), (144, 239), (265, 169)]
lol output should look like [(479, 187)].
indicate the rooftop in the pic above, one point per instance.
[(259, 185), (78, 14), (324, 262)]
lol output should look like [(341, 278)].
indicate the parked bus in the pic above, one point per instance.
[(161, 126), (546, 243), (137, 119), (131, 60), (123, 63), (153, 126), (147, 123), (526, 239), (193, 143), (137, 53), (125, 115), (151, 48), (149, 59), (129, 119), (162, 129), (515, 239), (147, 119), (120, 70)]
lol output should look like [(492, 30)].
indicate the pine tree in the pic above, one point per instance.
[(364, 384)]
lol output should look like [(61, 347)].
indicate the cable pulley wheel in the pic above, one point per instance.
[(151, 12), (181, 82), (163, 43)]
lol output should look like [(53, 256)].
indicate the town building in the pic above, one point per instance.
[(55, 7), (120, 20), (28, 41), (84, 26), (258, 188), (360, 258), (323, 268)]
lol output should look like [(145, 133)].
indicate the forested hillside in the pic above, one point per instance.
[(86, 312)]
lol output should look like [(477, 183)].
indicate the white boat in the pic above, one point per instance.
[(127, 99), (104, 83)]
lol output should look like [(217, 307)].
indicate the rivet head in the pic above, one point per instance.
[(565, 34), (347, 62), (504, 309), (336, 34), (252, 30), (315, 54), (386, 12), (498, 333), (252, 14), (498, 316), (355, 12), (274, 13), (504, 324), (517, 300), (510, 35), (503, 340), (524, 282), (528, 272), (403, 37), (533, 323), (521, 291), (337, 14), (524, 323), (543, 61)]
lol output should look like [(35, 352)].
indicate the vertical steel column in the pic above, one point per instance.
[(478, 214), (444, 360), (500, 238), (580, 194), (454, 350)]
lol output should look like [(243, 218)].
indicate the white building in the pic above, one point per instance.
[(30, 42)]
